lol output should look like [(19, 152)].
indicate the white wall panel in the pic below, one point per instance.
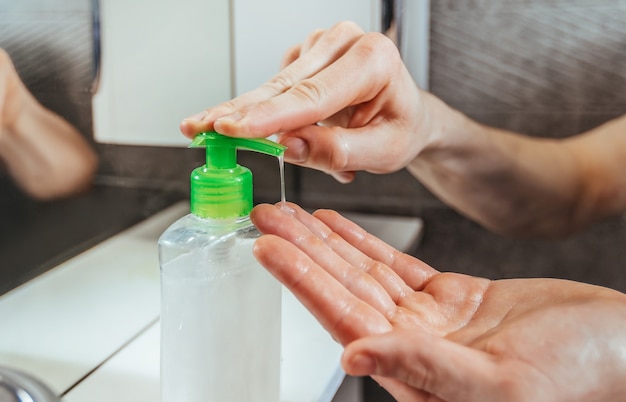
[(161, 61), (264, 30)]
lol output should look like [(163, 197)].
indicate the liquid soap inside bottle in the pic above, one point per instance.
[(221, 310)]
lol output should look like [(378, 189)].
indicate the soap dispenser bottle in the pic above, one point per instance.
[(221, 310)]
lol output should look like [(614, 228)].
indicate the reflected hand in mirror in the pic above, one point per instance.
[(47, 157), (433, 336)]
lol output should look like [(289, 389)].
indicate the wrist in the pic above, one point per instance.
[(446, 133), (446, 128)]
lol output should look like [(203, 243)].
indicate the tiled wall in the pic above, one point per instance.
[(541, 67)]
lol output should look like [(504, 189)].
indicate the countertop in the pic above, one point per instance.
[(36, 236), (33, 240), (89, 327)]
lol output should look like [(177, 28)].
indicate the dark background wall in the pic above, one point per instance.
[(544, 68)]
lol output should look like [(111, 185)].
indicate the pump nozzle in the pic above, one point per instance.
[(222, 188)]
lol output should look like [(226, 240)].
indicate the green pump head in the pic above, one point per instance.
[(222, 188)]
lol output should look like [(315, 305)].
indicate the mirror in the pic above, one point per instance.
[(54, 45), (55, 50)]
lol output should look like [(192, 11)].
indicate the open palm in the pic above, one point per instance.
[(431, 336)]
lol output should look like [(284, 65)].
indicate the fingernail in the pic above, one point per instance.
[(231, 117), (297, 150), (197, 117), (364, 363)]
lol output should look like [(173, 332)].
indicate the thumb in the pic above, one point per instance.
[(320, 148), (425, 362), (342, 151)]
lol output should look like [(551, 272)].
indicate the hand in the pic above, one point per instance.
[(344, 101), (45, 154), (431, 336), (11, 89)]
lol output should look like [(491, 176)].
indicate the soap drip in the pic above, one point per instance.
[(281, 167)]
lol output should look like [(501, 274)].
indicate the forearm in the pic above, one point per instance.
[(45, 154), (516, 184)]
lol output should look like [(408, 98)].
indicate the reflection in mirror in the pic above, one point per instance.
[(47, 157), (47, 71), (42, 152), (49, 209), (389, 20)]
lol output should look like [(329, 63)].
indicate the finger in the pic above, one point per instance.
[(410, 310), (297, 51), (314, 38), (429, 363), (323, 53), (290, 56), (413, 271), (366, 141), (376, 147), (284, 222), (321, 95), (297, 152), (221, 116), (393, 285), (345, 316)]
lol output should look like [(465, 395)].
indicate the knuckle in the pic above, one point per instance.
[(291, 55), (223, 109), (342, 32), (325, 160), (229, 105), (346, 28), (343, 321), (371, 266), (337, 155), (310, 90), (279, 83), (422, 376), (378, 49), (315, 35)]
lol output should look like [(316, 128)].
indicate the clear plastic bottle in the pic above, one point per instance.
[(220, 313)]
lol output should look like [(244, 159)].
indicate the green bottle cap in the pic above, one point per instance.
[(222, 188)]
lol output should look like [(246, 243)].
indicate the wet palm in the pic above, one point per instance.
[(431, 336)]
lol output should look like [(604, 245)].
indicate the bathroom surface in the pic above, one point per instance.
[(36, 236), (100, 309)]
